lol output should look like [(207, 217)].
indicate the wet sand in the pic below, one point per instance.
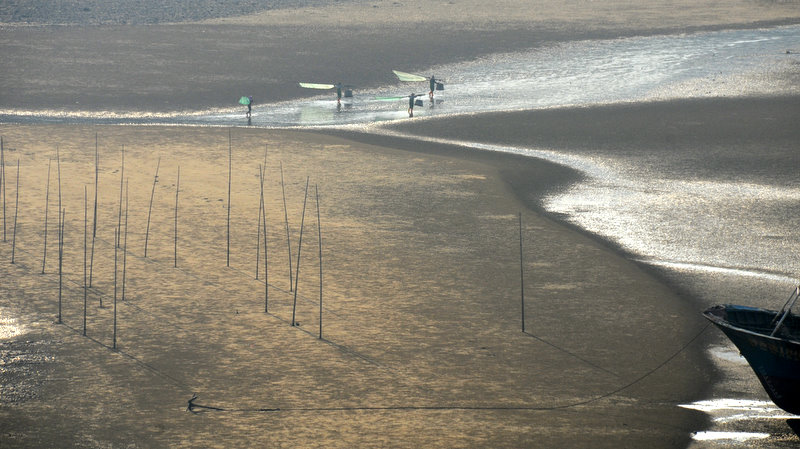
[(422, 333), (422, 342)]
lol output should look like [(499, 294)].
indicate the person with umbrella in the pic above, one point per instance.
[(247, 101)]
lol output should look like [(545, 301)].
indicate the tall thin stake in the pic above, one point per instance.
[(116, 258), (121, 182), (521, 275), (260, 214), (85, 240), (16, 214), (94, 214), (319, 239), (150, 209), (116, 241), (286, 220), (299, 247), (177, 190), (125, 244), (62, 217), (58, 165), (230, 165), (46, 208), (3, 182), (266, 258)]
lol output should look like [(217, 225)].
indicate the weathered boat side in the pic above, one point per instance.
[(774, 359)]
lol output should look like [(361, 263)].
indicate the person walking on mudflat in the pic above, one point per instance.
[(247, 101), (411, 100)]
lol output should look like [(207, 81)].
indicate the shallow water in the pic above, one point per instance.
[(574, 73)]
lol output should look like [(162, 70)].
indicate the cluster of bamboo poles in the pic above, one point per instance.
[(121, 232)]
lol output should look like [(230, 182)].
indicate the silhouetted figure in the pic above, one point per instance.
[(411, 100)]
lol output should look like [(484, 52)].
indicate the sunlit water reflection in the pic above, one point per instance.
[(574, 73)]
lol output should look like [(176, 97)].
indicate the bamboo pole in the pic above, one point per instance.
[(116, 258), (3, 179), (266, 259), (319, 239), (85, 239), (150, 209), (116, 247), (58, 166), (230, 165), (61, 218), (125, 244), (521, 275), (46, 209), (260, 210), (299, 247), (260, 213), (286, 220), (16, 214), (121, 182), (94, 214), (177, 190)]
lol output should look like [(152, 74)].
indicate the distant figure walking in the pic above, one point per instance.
[(339, 93), (249, 106), (433, 86), (411, 101)]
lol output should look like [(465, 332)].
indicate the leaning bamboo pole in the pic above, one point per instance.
[(286, 221), (46, 209), (125, 244), (150, 209), (260, 210), (299, 247), (260, 214), (94, 214), (16, 214), (266, 258)]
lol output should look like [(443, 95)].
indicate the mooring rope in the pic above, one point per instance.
[(192, 406), (594, 365)]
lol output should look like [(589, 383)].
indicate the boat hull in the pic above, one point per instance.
[(775, 360)]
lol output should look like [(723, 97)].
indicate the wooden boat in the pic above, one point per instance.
[(770, 342)]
